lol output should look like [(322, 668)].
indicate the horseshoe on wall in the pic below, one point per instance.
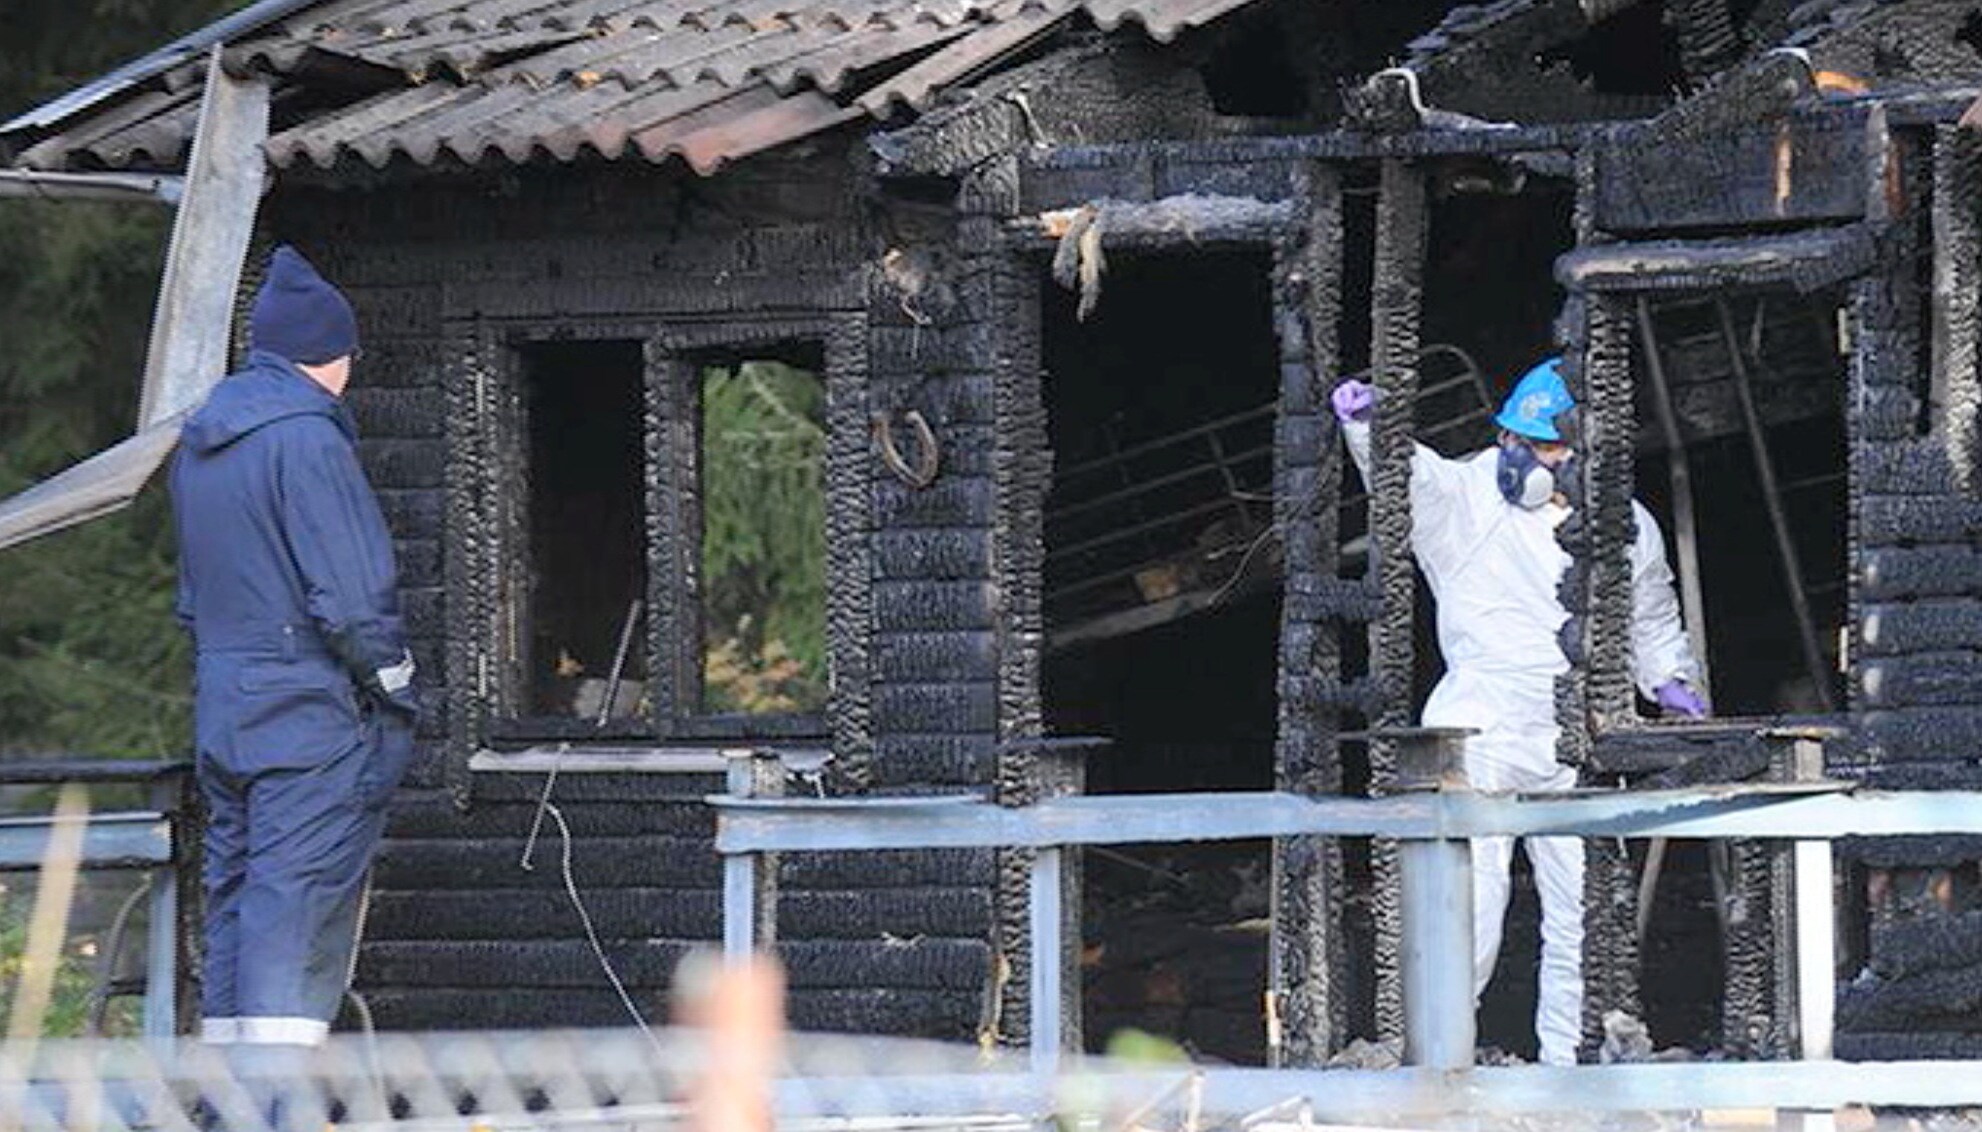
[(922, 472)]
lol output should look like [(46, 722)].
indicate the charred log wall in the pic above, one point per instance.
[(444, 275), (1917, 649)]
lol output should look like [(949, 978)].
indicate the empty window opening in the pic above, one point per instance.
[(1757, 658), (587, 526), (762, 550), (1162, 614)]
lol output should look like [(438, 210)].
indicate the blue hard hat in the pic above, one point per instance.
[(1538, 399)]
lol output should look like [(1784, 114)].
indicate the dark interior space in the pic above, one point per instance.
[(1633, 52), (1789, 350), (1490, 292), (583, 402), (1160, 411), (1164, 620), (1255, 66)]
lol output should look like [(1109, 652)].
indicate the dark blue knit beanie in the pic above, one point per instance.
[(300, 316)]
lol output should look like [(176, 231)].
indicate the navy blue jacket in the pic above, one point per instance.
[(283, 553)]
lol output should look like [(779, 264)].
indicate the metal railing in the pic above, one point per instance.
[(131, 839), (1432, 822)]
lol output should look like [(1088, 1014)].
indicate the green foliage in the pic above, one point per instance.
[(91, 661), (75, 978), (763, 539)]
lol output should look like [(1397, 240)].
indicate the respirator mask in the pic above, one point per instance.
[(1525, 481)]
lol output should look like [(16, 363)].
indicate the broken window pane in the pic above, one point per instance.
[(763, 553), (587, 526)]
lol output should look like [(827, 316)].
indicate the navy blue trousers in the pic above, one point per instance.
[(296, 774)]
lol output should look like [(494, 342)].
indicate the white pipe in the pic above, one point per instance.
[(157, 188)]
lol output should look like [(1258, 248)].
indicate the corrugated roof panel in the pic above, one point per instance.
[(1163, 19), (564, 134), (343, 19), (565, 121), (828, 67), (711, 79), (464, 52), (916, 85), (154, 123), (709, 149), (320, 142)]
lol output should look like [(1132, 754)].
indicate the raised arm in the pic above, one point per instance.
[(1436, 482)]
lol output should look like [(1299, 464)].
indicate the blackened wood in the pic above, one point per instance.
[(1022, 478), (1308, 951), (911, 606), (1923, 679), (963, 655), (1906, 1045), (1928, 943), (668, 913), (397, 464), (1805, 260), (1396, 310), (1883, 520), (907, 963), (417, 815), (1912, 467), (1935, 734), (1911, 1000), (935, 708), (932, 554), (906, 758), (1937, 624)]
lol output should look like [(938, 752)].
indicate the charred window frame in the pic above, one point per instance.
[(1608, 283), (489, 585), (491, 580), (833, 351)]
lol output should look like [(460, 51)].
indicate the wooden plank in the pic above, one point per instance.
[(224, 179)]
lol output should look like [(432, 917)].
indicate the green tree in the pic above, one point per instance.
[(91, 661), (763, 538)]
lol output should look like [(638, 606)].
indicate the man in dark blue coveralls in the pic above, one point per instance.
[(304, 705)]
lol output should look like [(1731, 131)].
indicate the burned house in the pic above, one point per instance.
[(897, 387)]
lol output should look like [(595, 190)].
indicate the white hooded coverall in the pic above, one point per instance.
[(1493, 568)]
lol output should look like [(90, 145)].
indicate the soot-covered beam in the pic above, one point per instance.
[(1308, 1013), (1403, 225)]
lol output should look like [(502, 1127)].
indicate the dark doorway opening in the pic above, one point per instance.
[(1491, 302), (1162, 618), (587, 522)]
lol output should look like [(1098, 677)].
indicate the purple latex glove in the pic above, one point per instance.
[(1353, 401), (1678, 698)]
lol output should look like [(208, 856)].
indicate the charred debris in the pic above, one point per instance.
[(1025, 315)]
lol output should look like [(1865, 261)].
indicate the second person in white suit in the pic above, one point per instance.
[(1484, 533)]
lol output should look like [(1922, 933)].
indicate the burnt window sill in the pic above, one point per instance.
[(635, 729), (630, 758)]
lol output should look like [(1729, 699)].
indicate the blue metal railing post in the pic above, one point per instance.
[(1435, 879), (750, 897), (161, 1002)]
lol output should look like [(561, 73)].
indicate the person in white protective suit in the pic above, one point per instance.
[(1484, 533)]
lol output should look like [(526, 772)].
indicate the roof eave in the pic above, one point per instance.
[(250, 19)]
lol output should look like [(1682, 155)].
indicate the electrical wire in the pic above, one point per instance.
[(546, 806), (592, 932)]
